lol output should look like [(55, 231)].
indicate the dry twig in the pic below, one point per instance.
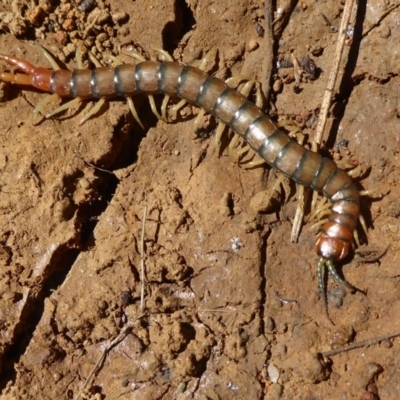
[(364, 343), (99, 363), (142, 274), (327, 99)]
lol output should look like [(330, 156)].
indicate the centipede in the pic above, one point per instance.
[(256, 128)]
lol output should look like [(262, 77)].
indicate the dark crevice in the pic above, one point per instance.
[(56, 272), (175, 30), (124, 151), (31, 314), (263, 284)]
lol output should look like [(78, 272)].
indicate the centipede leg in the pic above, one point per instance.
[(356, 239), (134, 54), (209, 58), (94, 60), (235, 155), (164, 107), (132, 108), (363, 223), (73, 102), (154, 109), (221, 127), (129, 100), (321, 283), (93, 110), (165, 55), (253, 164), (64, 107), (172, 112), (332, 270), (49, 58), (46, 100)]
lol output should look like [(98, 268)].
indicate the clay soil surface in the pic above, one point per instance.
[(231, 307)]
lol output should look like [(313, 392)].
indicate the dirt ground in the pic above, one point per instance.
[(220, 271)]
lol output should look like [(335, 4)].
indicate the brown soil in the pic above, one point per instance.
[(73, 198)]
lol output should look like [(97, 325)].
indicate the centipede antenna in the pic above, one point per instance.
[(321, 283), (49, 58), (132, 108)]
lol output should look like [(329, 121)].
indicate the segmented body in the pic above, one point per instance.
[(232, 108)]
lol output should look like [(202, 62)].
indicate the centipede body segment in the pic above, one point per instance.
[(233, 109)]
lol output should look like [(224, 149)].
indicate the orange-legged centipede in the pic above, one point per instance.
[(233, 109)]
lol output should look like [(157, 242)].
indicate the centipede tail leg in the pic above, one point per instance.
[(328, 263), (321, 283)]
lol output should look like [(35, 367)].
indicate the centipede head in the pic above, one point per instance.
[(331, 248)]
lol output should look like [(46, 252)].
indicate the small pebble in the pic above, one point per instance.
[(252, 45), (273, 373), (120, 17), (269, 325), (277, 85)]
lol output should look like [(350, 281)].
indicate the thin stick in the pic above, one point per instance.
[(268, 44), (142, 276), (326, 101), (99, 363), (367, 342), (302, 195)]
